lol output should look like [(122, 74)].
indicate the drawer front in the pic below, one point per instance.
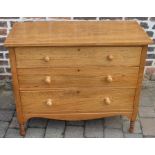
[(78, 77), (77, 100), (31, 57)]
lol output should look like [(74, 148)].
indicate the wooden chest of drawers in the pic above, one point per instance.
[(77, 70)]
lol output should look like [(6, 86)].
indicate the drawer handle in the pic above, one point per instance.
[(47, 58), (107, 100), (49, 102), (110, 57), (48, 79), (109, 78)]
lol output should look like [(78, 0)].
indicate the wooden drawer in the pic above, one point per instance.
[(77, 100), (31, 57), (78, 77)]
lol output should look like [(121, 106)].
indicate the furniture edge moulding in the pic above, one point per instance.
[(138, 88), (16, 92)]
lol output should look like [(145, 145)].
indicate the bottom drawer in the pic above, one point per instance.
[(77, 100)]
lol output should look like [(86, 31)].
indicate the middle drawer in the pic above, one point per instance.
[(95, 76)]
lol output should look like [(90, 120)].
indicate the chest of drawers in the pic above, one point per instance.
[(77, 70)]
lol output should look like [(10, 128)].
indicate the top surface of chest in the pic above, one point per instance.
[(77, 33)]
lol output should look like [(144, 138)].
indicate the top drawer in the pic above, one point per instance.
[(31, 57)]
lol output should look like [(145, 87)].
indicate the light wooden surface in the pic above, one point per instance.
[(75, 33), (38, 78), (79, 116), (77, 70), (74, 56), (19, 109), (77, 100), (139, 83)]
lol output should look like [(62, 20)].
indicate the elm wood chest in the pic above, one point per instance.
[(77, 70)]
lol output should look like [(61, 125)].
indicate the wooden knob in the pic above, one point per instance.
[(49, 102), (107, 100), (47, 58), (110, 57), (109, 78), (48, 79)]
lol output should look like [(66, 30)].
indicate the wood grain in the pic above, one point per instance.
[(77, 100), (79, 116), (19, 109), (77, 70), (139, 84), (75, 33), (77, 56), (78, 77)]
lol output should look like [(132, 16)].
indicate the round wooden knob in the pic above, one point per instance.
[(110, 57), (48, 79), (47, 58), (109, 78), (107, 100), (49, 102)]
